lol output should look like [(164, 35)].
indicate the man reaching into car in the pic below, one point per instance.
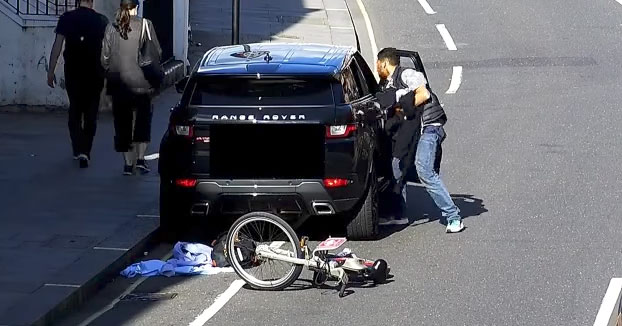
[(411, 84)]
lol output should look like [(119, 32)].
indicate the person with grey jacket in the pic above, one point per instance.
[(126, 83)]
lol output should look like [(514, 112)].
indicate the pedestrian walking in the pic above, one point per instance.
[(81, 32), (411, 84), (128, 85)]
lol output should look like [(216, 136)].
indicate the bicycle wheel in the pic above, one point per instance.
[(263, 229)]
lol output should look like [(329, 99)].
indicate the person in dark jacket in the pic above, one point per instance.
[(130, 91), (415, 132), (81, 31)]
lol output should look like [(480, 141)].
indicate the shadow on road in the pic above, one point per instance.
[(423, 210)]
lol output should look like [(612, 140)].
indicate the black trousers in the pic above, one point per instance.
[(84, 95), (132, 120)]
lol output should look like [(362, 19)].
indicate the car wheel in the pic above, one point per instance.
[(170, 227), (364, 225)]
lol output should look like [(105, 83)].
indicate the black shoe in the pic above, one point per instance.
[(84, 161), (142, 166), (128, 170)]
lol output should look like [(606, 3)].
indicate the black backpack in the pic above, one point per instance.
[(245, 251)]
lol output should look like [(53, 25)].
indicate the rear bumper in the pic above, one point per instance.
[(292, 200)]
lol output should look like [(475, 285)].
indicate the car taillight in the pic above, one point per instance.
[(336, 183), (186, 183), (343, 131), (180, 130)]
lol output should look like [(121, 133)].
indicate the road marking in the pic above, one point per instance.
[(456, 80), (147, 216), (111, 249), (342, 27), (449, 41), (62, 285), (608, 311), (428, 9), (152, 157), (619, 1), (127, 291), (220, 302), (370, 32)]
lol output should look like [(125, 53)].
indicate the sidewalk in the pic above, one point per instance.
[(283, 21), (54, 215), (66, 231)]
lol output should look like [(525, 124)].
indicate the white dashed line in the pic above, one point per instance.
[(111, 249), (428, 9), (370, 32), (609, 309), (449, 41), (220, 302), (456, 80), (619, 1), (152, 157), (75, 286), (147, 216)]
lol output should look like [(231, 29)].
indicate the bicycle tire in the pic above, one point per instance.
[(283, 283)]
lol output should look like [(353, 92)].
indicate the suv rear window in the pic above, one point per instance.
[(269, 91)]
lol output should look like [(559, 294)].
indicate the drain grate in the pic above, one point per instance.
[(148, 296)]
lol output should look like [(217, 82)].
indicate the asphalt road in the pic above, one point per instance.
[(532, 157)]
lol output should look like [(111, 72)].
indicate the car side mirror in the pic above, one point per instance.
[(181, 85)]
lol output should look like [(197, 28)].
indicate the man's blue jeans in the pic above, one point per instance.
[(424, 162)]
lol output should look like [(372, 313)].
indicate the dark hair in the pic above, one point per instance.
[(389, 54), (123, 17)]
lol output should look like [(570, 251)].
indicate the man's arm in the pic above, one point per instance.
[(421, 95), (416, 83), (56, 50)]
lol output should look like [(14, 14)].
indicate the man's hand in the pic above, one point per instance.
[(51, 79)]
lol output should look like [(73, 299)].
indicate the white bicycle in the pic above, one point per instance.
[(265, 252)]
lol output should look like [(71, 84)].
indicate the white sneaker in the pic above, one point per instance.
[(454, 226), (390, 221)]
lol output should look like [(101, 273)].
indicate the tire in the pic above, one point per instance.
[(364, 225), (170, 228), (237, 265)]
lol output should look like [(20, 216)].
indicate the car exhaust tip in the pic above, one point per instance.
[(323, 209), (201, 209)]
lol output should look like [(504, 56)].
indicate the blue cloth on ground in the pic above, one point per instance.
[(188, 259)]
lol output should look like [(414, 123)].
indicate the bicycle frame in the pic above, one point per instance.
[(264, 251)]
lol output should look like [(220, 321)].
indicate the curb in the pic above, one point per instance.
[(87, 290), (356, 33)]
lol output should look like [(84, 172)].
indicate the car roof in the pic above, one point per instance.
[(275, 59)]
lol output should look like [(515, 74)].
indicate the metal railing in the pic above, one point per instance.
[(42, 7)]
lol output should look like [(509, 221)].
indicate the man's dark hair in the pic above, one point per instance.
[(389, 54)]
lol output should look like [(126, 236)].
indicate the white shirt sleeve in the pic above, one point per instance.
[(414, 79)]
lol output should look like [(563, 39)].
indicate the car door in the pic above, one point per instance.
[(412, 59), (376, 119)]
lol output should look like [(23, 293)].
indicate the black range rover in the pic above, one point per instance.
[(289, 129)]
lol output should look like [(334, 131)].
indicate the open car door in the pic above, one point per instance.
[(411, 59)]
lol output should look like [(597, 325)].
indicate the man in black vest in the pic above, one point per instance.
[(411, 85), (81, 31)]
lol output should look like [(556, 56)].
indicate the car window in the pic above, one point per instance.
[(368, 77), (360, 80), (350, 88), (236, 91)]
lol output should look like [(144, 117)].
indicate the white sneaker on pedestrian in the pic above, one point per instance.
[(454, 226)]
